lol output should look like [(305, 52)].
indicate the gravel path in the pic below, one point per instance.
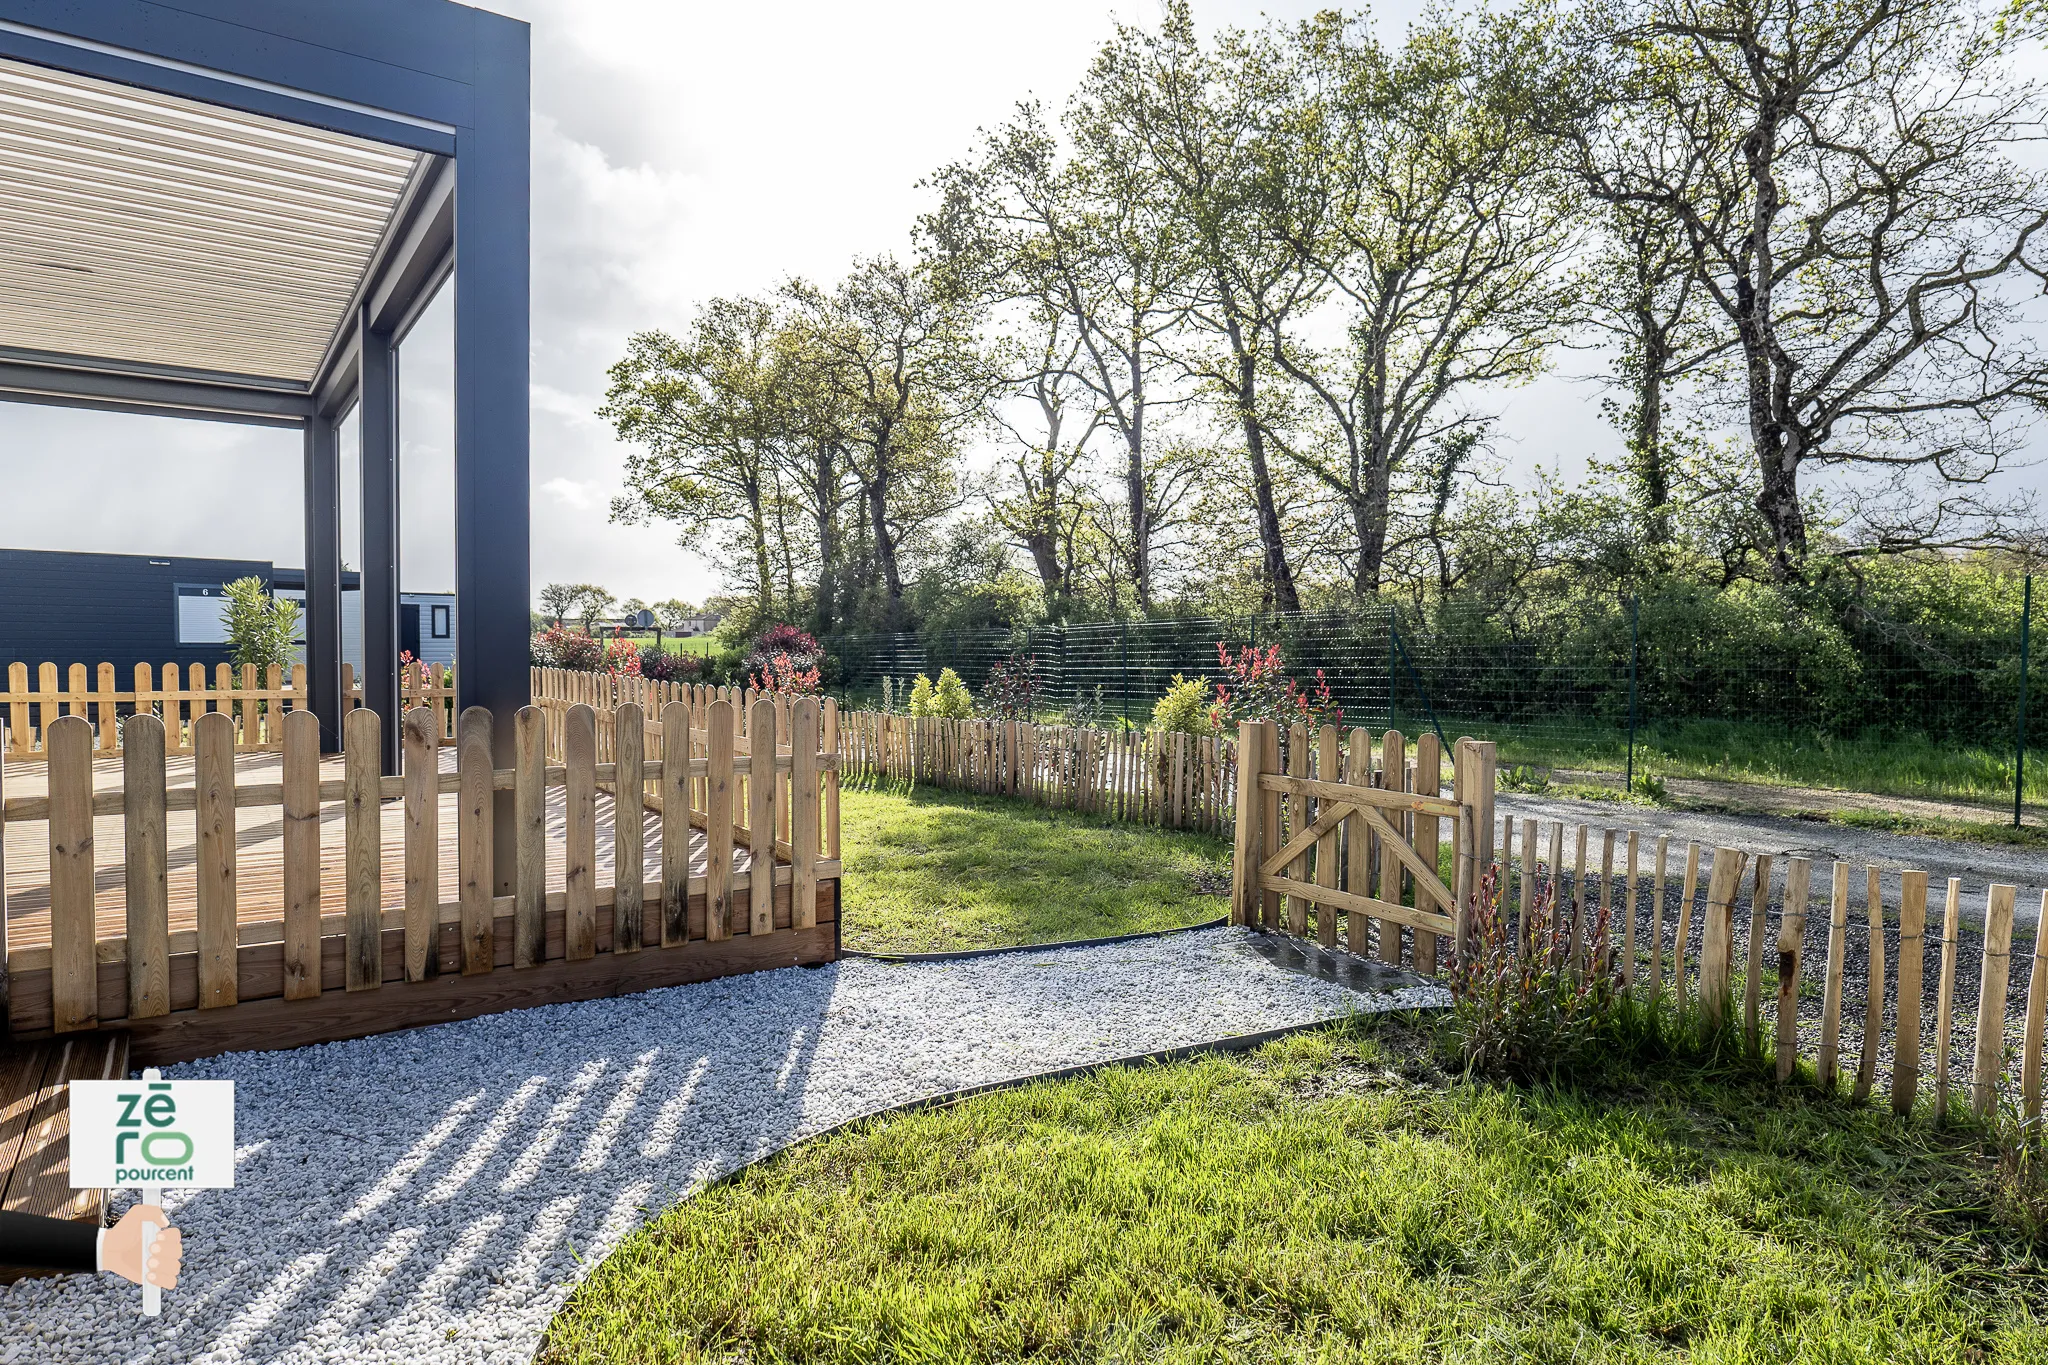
[(1969, 962), (433, 1196), (1976, 864)]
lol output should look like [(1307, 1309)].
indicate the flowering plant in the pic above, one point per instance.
[(800, 646), (787, 639), (1532, 1004), (1255, 686), (787, 675), (559, 647), (620, 658), (663, 665)]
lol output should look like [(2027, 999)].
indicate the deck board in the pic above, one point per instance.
[(259, 845), (35, 1125)]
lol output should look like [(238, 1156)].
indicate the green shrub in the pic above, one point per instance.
[(1522, 777), (1188, 708), (949, 699), (1012, 689), (260, 627)]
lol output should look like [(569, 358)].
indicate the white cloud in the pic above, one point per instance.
[(579, 496)]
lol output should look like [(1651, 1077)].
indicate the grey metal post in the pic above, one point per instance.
[(323, 579), (493, 286), (2019, 774), (380, 535), (1126, 641), (1393, 644)]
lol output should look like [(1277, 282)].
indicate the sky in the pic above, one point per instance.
[(680, 151)]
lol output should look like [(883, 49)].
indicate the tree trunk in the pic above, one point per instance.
[(1767, 368), (1369, 524), (1647, 445), (1279, 579), (1134, 487), (1775, 441), (764, 566), (1043, 545), (825, 485), (1778, 501), (885, 545)]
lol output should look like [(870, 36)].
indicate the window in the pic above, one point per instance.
[(440, 621), (200, 619)]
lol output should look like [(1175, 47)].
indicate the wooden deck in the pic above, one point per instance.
[(35, 1125), (259, 843)]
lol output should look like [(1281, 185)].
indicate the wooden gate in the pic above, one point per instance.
[(1331, 823)]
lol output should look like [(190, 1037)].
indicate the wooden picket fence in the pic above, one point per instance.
[(178, 696), (1155, 777), (754, 720), (1331, 825), (330, 960)]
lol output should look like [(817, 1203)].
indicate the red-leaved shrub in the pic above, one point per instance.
[(1255, 686)]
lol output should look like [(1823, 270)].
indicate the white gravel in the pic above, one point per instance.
[(434, 1195)]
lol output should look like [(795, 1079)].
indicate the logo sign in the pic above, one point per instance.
[(150, 1132)]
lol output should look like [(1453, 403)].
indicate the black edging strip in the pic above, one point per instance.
[(967, 953)]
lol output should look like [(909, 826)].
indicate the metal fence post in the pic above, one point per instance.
[(1124, 639), (1635, 607), (2019, 774), (1387, 615)]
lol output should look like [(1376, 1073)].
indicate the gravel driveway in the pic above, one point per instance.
[(433, 1196), (1976, 864)]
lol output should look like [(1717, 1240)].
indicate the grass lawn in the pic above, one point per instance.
[(1968, 831), (928, 871), (1897, 765), (1334, 1198), (676, 644)]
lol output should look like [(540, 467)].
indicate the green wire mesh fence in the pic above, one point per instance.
[(1683, 684)]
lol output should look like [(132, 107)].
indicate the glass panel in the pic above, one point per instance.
[(426, 473)]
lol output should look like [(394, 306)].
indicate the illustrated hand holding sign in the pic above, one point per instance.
[(151, 1133)]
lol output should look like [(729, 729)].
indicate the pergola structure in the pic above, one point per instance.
[(233, 210)]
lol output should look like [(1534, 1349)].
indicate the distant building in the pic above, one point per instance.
[(703, 623), (62, 607)]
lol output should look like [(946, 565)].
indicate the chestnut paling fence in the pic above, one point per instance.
[(257, 699), (741, 801), (1850, 975), (1148, 776), (1159, 777)]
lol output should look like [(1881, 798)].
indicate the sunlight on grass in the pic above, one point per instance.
[(1324, 1201), (1894, 765), (929, 871), (676, 644)]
